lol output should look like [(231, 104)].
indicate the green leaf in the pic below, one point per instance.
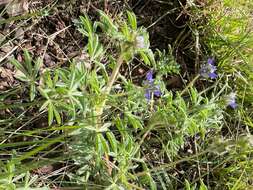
[(112, 140), (108, 23), (145, 58), (98, 145), (32, 180), (187, 185), (57, 115), (87, 25), (28, 61), (37, 66), (125, 30), (134, 121), (50, 113), (105, 127), (19, 66), (104, 143), (32, 91), (95, 48), (90, 46), (43, 93), (103, 68), (73, 80), (48, 79), (21, 76), (44, 106), (203, 186), (132, 20)]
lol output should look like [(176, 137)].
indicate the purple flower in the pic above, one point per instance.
[(151, 88), (231, 100), (211, 61), (208, 70), (149, 76)]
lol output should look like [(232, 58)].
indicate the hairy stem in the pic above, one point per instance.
[(112, 79)]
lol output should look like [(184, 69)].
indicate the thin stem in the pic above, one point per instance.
[(112, 79), (114, 75), (190, 84)]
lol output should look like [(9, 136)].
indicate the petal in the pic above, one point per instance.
[(211, 61), (213, 75), (149, 76), (157, 93), (213, 68), (233, 104)]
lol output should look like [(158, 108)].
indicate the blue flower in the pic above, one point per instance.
[(231, 100), (208, 70), (151, 88)]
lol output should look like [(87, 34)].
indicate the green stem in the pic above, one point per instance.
[(190, 84), (114, 75), (100, 108)]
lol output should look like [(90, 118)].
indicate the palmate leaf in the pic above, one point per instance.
[(27, 72), (95, 48), (107, 24), (132, 20), (88, 30)]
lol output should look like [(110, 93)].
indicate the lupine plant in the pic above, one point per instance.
[(28, 71), (118, 133)]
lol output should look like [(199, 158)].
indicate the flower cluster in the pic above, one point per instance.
[(208, 70), (231, 100), (140, 42), (151, 89)]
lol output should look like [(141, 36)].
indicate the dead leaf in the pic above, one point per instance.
[(44, 170), (6, 78), (7, 47), (17, 7), (19, 34), (6, 74)]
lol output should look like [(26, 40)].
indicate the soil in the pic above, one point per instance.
[(55, 38)]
